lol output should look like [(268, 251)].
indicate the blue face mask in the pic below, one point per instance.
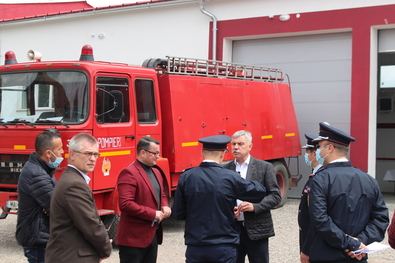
[(306, 159), (320, 160), (55, 163)]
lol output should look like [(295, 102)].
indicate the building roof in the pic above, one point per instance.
[(9, 12), (15, 12)]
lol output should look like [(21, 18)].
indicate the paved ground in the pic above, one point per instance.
[(283, 247)]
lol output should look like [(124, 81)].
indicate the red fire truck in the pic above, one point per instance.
[(175, 100)]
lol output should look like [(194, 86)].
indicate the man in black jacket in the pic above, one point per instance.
[(346, 208), (255, 219), (35, 186), (205, 197)]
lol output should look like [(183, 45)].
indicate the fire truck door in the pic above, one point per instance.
[(113, 128)]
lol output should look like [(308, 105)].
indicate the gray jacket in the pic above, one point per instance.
[(259, 223)]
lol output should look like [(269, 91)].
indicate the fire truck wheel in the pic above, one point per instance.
[(282, 178), (111, 222)]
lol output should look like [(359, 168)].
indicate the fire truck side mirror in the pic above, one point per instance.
[(116, 104)]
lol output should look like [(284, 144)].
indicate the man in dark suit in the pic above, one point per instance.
[(346, 208), (303, 212), (76, 231), (205, 197), (143, 205), (255, 219)]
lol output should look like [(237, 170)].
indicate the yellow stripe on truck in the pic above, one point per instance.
[(19, 147), (186, 144)]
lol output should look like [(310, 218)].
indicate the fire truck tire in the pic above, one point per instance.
[(154, 63), (282, 178), (112, 231)]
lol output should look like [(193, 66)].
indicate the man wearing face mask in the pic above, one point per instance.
[(35, 186), (303, 213), (347, 211)]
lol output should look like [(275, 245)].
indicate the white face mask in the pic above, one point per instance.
[(320, 160), (55, 163), (306, 159)]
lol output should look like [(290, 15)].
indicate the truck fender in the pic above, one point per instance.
[(283, 177)]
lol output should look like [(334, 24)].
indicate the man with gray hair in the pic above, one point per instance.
[(255, 219), (76, 232)]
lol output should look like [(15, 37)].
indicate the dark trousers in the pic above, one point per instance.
[(225, 253), (256, 250), (35, 254), (138, 254), (346, 261)]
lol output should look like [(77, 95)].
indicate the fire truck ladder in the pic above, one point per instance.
[(212, 68)]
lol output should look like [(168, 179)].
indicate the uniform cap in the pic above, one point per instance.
[(327, 132), (310, 140), (215, 143)]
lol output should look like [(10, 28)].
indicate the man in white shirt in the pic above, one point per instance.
[(255, 219)]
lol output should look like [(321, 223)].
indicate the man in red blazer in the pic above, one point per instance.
[(143, 205)]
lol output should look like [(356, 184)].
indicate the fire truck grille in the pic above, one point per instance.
[(10, 167)]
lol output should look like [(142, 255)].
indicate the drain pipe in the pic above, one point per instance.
[(214, 47)]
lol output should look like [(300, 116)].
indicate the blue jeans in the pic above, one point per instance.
[(35, 254)]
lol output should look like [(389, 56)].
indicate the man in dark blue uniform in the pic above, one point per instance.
[(206, 198), (311, 161), (347, 211)]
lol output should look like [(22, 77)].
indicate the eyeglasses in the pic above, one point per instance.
[(89, 154), (154, 153)]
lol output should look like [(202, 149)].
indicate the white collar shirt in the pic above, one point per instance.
[(242, 169), (87, 179)]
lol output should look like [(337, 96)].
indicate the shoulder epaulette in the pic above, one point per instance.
[(321, 169)]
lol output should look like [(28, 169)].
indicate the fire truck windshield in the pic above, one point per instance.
[(43, 97)]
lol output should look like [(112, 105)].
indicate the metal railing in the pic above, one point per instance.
[(212, 68)]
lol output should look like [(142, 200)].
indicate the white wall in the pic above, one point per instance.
[(130, 37), (134, 35)]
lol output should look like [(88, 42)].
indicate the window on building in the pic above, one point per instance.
[(43, 95)]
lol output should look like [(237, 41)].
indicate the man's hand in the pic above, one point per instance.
[(159, 215), (166, 211), (358, 256), (236, 211), (246, 207), (304, 258)]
